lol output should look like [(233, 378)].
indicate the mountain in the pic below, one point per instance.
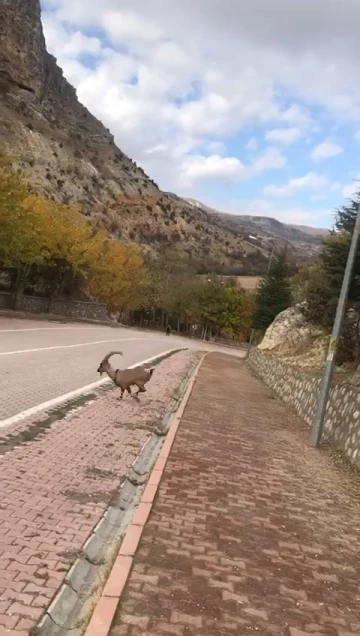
[(68, 155), (311, 231), (265, 226)]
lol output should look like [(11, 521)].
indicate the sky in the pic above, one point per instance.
[(251, 108)]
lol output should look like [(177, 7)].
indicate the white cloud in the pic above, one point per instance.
[(229, 169), (251, 145), (311, 180), (297, 115), (69, 44), (271, 159), (357, 135), (197, 167), (174, 101), (351, 189), (130, 27), (283, 135), (216, 148), (326, 150)]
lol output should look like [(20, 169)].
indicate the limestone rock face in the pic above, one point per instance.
[(290, 333), (22, 52)]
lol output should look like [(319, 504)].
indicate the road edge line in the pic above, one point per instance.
[(105, 609)]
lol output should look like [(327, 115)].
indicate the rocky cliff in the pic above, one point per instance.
[(68, 155), (297, 342), (292, 338)]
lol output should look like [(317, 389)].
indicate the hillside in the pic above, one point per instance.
[(262, 226), (69, 155)]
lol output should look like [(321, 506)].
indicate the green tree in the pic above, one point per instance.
[(273, 294), (224, 309), (167, 285), (324, 287)]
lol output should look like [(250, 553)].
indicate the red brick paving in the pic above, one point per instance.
[(54, 488), (251, 530)]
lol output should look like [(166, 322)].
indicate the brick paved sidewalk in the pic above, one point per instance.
[(56, 481), (251, 530)]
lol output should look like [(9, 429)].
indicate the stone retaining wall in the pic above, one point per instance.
[(299, 389), (75, 309)]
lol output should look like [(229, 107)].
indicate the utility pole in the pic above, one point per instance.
[(270, 260), (329, 366)]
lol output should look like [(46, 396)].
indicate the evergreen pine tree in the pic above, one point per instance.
[(274, 293), (324, 290)]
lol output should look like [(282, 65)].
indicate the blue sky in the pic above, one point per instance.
[(252, 110)]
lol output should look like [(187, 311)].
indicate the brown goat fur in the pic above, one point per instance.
[(126, 378)]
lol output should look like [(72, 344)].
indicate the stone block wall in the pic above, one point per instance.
[(72, 308), (77, 309), (299, 389), (5, 300)]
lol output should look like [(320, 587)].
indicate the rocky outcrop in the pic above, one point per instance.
[(290, 332), (22, 45), (294, 339)]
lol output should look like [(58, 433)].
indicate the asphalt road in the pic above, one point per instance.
[(41, 361)]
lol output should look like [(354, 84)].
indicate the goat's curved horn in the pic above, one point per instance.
[(112, 353)]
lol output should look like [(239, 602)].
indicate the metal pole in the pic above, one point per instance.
[(270, 260), (329, 366)]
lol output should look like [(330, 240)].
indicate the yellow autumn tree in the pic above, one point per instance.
[(23, 225), (118, 276), (41, 240), (75, 247)]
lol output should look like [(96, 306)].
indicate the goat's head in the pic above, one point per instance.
[(104, 365)]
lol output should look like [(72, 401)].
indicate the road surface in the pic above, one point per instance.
[(41, 361)]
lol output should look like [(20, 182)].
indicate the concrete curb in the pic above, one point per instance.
[(102, 618), (70, 609)]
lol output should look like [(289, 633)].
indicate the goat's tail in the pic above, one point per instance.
[(151, 371)]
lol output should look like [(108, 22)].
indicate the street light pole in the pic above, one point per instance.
[(270, 259), (329, 366)]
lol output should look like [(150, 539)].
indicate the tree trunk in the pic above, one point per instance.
[(19, 293), (22, 275), (50, 299), (13, 280)]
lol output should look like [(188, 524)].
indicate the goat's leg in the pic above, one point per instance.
[(141, 389), (121, 394)]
